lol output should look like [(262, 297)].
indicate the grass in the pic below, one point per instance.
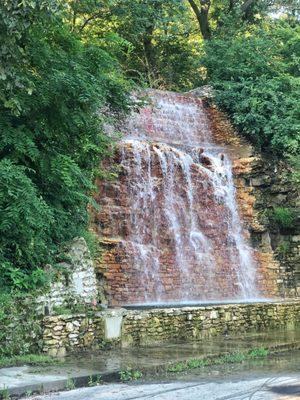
[(29, 359), (231, 358)]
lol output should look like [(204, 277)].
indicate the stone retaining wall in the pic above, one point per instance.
[(66, 333), (78, 283), (69, 333)]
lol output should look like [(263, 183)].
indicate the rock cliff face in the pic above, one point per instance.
[(263, 184), (269, 188), (169, 226)]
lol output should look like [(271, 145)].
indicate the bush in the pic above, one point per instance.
[(256, 77), (20, 326), (283, 217), (52, 87)]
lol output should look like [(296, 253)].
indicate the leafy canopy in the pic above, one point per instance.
[(256, 74), (52, 88)]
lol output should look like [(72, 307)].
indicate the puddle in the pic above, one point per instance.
[(155, 356)]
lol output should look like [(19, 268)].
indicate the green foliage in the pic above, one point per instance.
[(95, 381), (52, 87), (230, 358), (259, 352), (4, 393), (194, 363), (236, 357), (283, 249), (92, 242), (178, 367), (256, 75), (155, 40), (283, 217), (20, 325), (70, 385), (130, 374), (29, 359)]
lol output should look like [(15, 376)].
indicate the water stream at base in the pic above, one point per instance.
[(185, 240)]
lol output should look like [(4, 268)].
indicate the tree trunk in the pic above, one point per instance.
[(202, 14), (149, 53)]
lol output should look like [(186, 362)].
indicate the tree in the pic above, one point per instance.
[(211, 14), (52, 89), (256, 75), (154, 38), (201, 11)]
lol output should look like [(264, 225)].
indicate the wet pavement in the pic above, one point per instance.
[(153, 362), (275, 378), (153, 356), (285, 387)]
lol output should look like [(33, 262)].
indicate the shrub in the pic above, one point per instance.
[(52, 87), (255, 73), (283, 217), (20, 325)]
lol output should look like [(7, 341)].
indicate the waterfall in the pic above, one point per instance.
[(183, 238)]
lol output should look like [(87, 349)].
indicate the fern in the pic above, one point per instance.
[(51, 138)]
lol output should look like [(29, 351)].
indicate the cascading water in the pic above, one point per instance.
[(176, 216)]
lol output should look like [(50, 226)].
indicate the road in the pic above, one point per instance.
[(268, 387)]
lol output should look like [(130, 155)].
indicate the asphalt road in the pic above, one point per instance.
[(268, 387)]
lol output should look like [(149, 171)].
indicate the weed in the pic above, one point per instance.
[(231, 358), (283, 248), (179, 367), (4, 393), (70, 385), (284, 217), (189, 364), (259, 352), (192, 364), (95, 381), (130, 375)]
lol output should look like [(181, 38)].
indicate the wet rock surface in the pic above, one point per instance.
[(171, 224)]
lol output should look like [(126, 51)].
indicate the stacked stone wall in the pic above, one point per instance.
[(72, 332), (77, 282), (148, 327)]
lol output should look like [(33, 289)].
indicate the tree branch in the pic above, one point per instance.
[(89, 19), (202, 16), (247, 4), (195, 8)]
